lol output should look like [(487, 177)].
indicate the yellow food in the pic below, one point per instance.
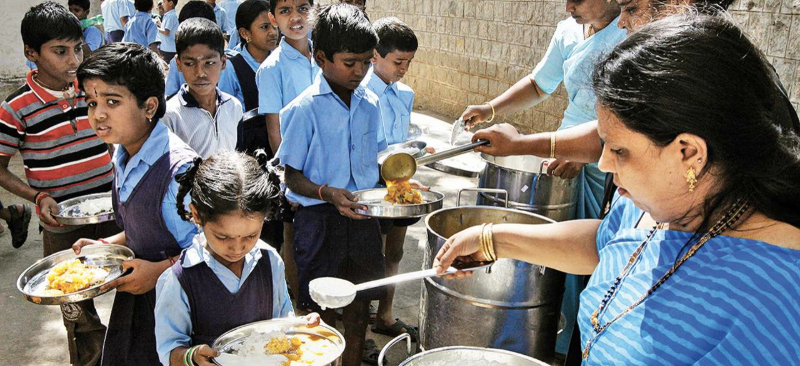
[(299, 350), (400, 192), (73, 276)]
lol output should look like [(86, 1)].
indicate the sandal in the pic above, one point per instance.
[(18, 224), (371, 352), (396, 329)]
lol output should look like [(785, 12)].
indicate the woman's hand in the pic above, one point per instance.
[(464, 246), (312, 320), (503, 139), (344, 201), (203, 354), (475, 114), (564, 169), (48, 207), (143, 278)]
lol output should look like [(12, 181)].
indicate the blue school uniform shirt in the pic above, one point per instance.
[(231, 7), (282, 77), (329, 142), (174, 79), (396, 101), (112, 10), (93, 37), (129, 171), (170, 22), (141, 29), (173, 313), (735, 302), (222, 19), (229, 81)]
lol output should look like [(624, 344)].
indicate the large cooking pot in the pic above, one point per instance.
[(516, 307), (529, 188), (459, 355)]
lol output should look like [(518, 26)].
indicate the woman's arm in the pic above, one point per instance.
[(566, 246), (520, 96), (579, 144)]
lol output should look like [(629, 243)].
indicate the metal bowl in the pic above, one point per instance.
[(378, 207), (69, 212), (230, 340), (33, 281), (414, 148)]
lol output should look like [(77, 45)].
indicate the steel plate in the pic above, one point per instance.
[(70, 214), (378, 207)]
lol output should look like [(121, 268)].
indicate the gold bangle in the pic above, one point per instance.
[(490, 105), (483, 241), (490, 242), (552, 145)]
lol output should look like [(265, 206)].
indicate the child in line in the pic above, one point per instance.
[(397, 46), (231, 9), (142, 29), (228, 277), (116, 15), (203, 116), (45, 121), (221, 18), (92, 36), (167, 28), (332, 134), (192, 9), (125, 96)]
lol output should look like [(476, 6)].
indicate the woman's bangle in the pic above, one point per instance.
[(552, 145), (319, 191), (188, 356), (490, 119), (490, 242)]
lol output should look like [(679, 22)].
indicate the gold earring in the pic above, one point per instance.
[(691, 178)]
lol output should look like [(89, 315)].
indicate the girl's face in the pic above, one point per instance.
[(262, 34), (116, 116), (231, 236), (291, 17)]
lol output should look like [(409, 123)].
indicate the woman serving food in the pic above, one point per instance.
[(697, 262)]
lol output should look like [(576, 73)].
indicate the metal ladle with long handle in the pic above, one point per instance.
[(402, 166)]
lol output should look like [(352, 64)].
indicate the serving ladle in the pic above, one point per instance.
[(332, 292), (402, 166)]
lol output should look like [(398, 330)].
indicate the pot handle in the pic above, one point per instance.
[(382, 355), (486, 190), (542, 171)]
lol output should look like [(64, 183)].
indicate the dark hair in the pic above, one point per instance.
[(394, 35), (129, 65), (342, 28), (174, 3), (274, 4), (84, 4), (229, 181), (143, 5), (199, 31), (48, 21), (700, 74), (248, 12), (196, 9)]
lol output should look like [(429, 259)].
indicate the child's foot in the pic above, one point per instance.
[(18, 223), (371, 353), (397, 328)]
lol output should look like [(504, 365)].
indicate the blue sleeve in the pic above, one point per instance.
[(297, 131), (550, 70), (183, 231), (93, 37), (281, 304), (173, 316), (151, 31), (270, 89), (174, 82), (229, 82)]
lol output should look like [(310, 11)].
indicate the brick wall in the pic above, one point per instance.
[(473, 50)]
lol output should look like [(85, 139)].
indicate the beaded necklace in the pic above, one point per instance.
[(725, 222)]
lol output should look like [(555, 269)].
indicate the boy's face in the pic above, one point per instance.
[(347, 70), (57, 61), (291, 17), (201, 67), (361, 4), (116, 116), (79, 12), (394, 66), (167, 5)]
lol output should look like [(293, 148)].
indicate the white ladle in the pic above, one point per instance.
[(332, 292)]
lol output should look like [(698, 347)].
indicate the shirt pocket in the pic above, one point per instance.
[(369, 149)]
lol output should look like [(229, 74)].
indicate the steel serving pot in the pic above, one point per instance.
[(459, 355)]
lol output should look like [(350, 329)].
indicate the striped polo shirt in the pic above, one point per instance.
[(61, 153)]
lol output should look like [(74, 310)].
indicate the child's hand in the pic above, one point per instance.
[(82, 243), (142, 279), (344, 201), (312, 320), (418, 185), (202, 356), (430, 150), (46, 209)]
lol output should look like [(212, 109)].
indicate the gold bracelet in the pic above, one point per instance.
[(483, 241), (490, 242), (552, 145), (490, 105)]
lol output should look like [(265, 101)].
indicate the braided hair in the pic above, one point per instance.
[(229, 181)]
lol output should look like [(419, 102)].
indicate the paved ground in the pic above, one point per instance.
[(34, 335)]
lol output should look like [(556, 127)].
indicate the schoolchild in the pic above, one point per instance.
[(192, 9), (45, 121), (228, 277), (231, 9), (116, 14), (332, 135), (221, 18), (203, 116), (125, 96), (142, 29), (166, 30), (92, 36), (397, 46)]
